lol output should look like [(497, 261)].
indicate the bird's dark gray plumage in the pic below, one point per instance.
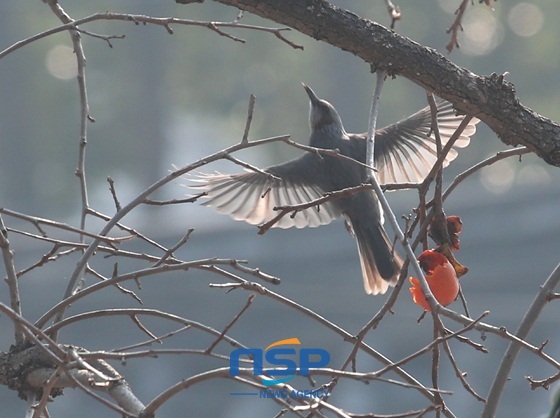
[(403, 153)]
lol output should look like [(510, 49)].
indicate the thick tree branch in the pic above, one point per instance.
[(489, 98)]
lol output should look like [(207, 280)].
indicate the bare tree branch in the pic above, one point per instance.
[(166, 22), (490, 98), (508, 360), (250, 111), (12, 280), (394, 12), (437, 341), (456, 26), (233, 321), (255, 287)]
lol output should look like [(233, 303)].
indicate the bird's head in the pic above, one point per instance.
[(322, 115)]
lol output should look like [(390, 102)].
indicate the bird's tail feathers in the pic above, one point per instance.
[(380, 263)]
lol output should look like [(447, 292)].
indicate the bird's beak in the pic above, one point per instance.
[(312, 96)]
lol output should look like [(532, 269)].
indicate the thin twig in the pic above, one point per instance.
[(255, 272), (133, 275), (62, 226), (544, 383), (394, 12), (250, 111), (435, 371), (379, 192), (130, 230), (119, 355), (84, 106), (85, 118), (489, 161), (191, 199), (106, 38), (169, 252), (456, 26), (285, 210), (52, 255), (251, 167), (118, 286), (137, 19), (232, 322), (464, 301), (372, 324), (445, 150), (460, 375), (430, 346), (468, 341), (127, 312), (41, 406), (114, 193), (143, 328), (224, 372), (330, 152), (262, 290), (372, 122), (419, 413), (80, 266), (152, 340), (11, 279)]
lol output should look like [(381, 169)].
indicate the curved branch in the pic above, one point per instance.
[(257, 288), (510, 356), (224, 373), (141, 311), (490, 98), (140, 199), (134, 275), (159, 21)]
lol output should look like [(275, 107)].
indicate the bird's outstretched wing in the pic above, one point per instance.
[(252, 196), (405, 153)]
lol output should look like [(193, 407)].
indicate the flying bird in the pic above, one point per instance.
[(404, 152)]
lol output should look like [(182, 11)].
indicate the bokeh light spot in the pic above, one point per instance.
[(525, 19), (499, 177), (61, 62), (483, 32), (533, 175)]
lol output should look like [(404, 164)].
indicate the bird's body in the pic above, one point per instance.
[(403, 153)]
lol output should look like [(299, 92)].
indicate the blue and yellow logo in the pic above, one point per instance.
[(282, 363)]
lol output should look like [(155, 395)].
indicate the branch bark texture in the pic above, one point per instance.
[(491, 98)]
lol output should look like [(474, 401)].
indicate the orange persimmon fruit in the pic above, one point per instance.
[(454, 224), (441, 278)]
